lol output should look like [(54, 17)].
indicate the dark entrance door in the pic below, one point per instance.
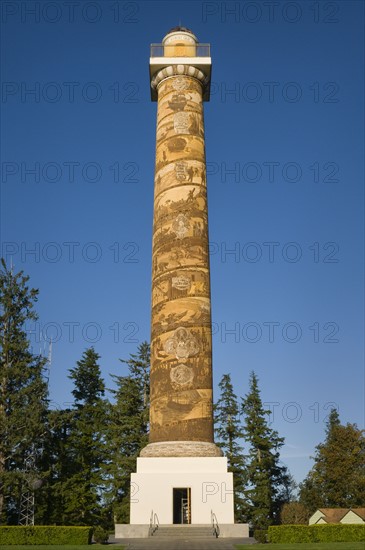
[(182, 506)]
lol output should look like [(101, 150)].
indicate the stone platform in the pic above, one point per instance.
[(190, 532)]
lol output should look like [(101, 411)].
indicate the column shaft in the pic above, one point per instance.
[(181, 343)]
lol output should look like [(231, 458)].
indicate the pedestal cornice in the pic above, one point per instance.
[(180, 70), (181, 449)]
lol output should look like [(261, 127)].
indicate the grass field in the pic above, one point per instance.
[(62, 547), (306, 546)]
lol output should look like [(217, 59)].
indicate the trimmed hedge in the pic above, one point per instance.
[(101, 535), (335, 532), (43, 534), (260, 535)]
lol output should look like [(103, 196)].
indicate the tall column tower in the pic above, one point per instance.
[(181, 474), (181, 422)]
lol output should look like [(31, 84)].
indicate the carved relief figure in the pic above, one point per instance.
[(178, 102), (180, 84), (182, 344), (181, 123), (181, 376), (180, 226), (181, 170)]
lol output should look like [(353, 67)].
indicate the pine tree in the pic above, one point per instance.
[(228, 432), (52, 497), (332, 422), (139, 369), (337, 478), (86, 449), (268, 481), (128, 429), (23, 392)]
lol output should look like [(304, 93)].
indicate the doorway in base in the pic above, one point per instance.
[(182, 505)]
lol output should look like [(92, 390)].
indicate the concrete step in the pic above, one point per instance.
[(184, 531)]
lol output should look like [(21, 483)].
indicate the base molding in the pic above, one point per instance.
[(181, 449)]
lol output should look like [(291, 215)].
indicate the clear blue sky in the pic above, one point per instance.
[(285, 114)]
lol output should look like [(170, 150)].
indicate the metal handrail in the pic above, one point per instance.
[(150, 530), (154, 523), (215, 525), (161, 50)]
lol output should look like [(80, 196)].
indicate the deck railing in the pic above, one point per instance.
[(180, 50)]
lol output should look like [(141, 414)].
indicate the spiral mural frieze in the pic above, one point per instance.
[(181, 343)]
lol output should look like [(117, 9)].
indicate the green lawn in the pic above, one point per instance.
[(61, 547), (306, 546)]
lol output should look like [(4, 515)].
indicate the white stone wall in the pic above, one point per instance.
[(210, 483)]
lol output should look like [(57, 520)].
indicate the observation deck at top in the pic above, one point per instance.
[(193, 54)]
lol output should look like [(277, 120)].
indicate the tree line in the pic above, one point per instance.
[(77, 461)]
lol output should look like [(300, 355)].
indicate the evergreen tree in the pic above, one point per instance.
[(52, 497), (23, 392), (228, 432), (269, 482), (332, 422), (337, 478), (128, 429), (85, 450)]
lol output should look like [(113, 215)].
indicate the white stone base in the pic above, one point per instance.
[(124, 531), (207, 477), (238, 530)]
